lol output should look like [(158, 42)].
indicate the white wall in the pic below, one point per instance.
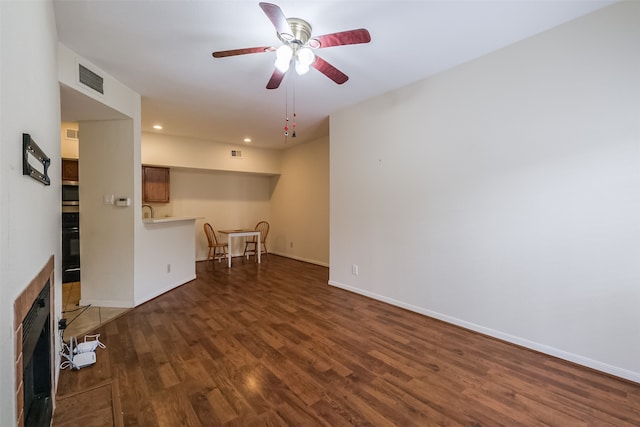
[(116, 101), (300, 204), (29, 211), (502, 195), (165, 259), (109, 155), (106, 231)]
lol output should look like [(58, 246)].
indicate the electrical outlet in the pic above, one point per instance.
[(291, 244), (168, 268), (354, 269)]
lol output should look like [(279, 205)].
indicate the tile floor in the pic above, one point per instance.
[(83, 320)]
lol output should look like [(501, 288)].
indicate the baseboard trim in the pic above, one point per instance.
[(106, 303), (297, 258), (164, 290), (532, 345), (136, 302)]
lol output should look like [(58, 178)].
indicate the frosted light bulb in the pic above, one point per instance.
[(306, 56), (301, 68), (282, 65), (283, 58), (284, 53)]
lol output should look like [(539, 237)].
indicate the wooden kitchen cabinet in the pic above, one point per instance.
[(155, 184), (69, 170)]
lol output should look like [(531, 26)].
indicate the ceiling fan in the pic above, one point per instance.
[(298, 45)]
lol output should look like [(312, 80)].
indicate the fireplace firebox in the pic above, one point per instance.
[(36, 353)]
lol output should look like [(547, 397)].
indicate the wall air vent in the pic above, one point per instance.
[(71, 134), (236, 154), (91, 79)]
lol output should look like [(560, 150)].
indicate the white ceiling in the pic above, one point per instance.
[(162, 50)]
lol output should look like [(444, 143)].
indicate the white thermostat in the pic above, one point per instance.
[(123, 201)]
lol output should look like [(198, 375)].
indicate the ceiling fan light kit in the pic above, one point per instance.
[(304, 57), (297, 44)]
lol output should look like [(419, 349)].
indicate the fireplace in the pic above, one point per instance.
[(36, 355), (35, 345)]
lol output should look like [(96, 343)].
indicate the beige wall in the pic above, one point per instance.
[(227, 200), (168, 150), (69, 147), (300, 204)]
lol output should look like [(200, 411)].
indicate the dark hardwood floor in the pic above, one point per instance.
[(274, 345)]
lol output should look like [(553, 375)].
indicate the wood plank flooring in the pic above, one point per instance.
[(274, 345)]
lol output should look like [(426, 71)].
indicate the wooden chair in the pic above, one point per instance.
[(217, 250), (251, 245)]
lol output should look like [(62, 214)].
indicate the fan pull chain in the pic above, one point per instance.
[(286, 111), (286, 114), (293, 134)]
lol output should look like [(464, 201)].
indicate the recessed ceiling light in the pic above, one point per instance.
[(157, 127), (247, 140)]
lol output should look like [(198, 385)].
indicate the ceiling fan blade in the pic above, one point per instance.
[(344, 37), (276, 79), (234, 52), (329, 70), (277, 18)]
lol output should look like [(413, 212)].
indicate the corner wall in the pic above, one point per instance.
[(113, 239), (300, 204), (502, 195)]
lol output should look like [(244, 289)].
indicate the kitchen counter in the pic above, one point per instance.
[(166, 255), (170, 219)]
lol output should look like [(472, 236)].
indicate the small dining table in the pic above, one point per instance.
[(240, 233)]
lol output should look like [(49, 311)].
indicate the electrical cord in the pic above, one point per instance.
[(67, 352), (84, 308), (76, 309)]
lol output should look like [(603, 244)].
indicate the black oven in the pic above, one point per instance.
[(70, 193), (70, 247)]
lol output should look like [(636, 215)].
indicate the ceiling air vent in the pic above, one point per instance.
[(71, 134), (91, 79), (236, 154)]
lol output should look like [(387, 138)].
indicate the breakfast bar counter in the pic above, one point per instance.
[(169, 219)]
